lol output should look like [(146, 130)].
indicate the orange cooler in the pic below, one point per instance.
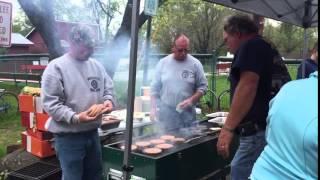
[(37, 147), (26, 103)]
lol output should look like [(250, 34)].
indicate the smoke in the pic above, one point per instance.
[(115, 57), (109, 54)]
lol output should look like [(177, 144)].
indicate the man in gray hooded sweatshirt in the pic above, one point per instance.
[(75, 91)]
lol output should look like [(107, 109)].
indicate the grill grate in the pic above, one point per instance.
[(51, 160), (37, 171)]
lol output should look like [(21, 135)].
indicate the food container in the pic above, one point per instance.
[(26, 103), (219, 120), (34, 120), (37, 147), (109, 122), (217, 114)]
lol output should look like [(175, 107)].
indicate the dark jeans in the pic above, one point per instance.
[(79, 155), (249, 150)]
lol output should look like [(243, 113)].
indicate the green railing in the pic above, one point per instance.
[(214, 100), (223, 85)]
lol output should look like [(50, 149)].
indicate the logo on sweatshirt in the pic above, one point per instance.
[(94, 84), (187, 74)]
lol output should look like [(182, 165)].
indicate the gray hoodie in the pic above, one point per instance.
[(70, 86), (176, 81)]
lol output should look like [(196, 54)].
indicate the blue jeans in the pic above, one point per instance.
[(170, 119), (79, 155), (249, 149)]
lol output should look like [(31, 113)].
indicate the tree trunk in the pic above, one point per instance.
[(119, 46), (41, 16)]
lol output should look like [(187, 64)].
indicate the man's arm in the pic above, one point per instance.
[(242, 101), (201, 81), (243, 98), (53, 98), (108, 95), (196, 97), (192, 100)]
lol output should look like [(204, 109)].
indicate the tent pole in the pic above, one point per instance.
[(305, 51), (127, 169), (305, 44)]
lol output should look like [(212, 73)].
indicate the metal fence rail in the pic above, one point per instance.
[(12, 68), (19, 68), (224, 94)]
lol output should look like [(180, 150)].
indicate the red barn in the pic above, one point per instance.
[(19, 44), (37, 44)]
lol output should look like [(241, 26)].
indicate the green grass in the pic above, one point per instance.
[(293, 71), (222, 84), (10, 126), (207, 103)]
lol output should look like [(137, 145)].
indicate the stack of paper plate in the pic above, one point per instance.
[(217, 114), (219, 120)]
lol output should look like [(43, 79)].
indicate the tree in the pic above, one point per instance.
[(201, 21), (40, 14), (289, 39), (119, 45), (209, 19), (89, 11), (21, 24)]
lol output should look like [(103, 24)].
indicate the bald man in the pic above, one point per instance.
[(178, 85)]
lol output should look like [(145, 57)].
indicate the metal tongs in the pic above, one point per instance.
[(200, 136), (194, 138)]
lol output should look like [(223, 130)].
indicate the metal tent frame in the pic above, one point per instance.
[(297, 12), (303, 13)]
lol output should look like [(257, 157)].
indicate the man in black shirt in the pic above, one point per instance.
[(250, 79)]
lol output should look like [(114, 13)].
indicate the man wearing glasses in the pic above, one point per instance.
[(178, 85)]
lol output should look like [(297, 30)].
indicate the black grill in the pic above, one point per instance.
[(53, 160), (193, 135), (37, 171)]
